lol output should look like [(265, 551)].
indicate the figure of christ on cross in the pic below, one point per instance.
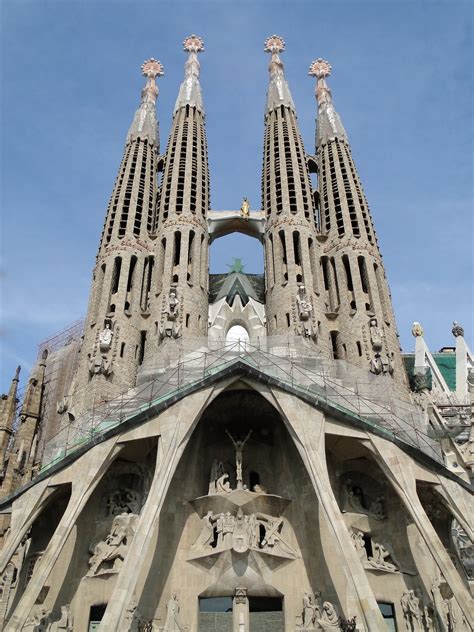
[(239, 449)]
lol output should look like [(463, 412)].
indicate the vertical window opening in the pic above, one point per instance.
[(297, 247), (333, 335), (359, 348), (122, 349), (131, 270), (281, 234), (141, 352), (187, 320), (116, 275), (177, 248), (146, 282), (96, 614), (190, 257), (288, 322), (347, 269)]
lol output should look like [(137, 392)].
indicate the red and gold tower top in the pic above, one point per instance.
[(278, 91)]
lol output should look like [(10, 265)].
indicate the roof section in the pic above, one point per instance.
[(319, 382), (230, 285), (446, 362)]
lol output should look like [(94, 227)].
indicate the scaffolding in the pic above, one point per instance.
[(65, 337), (372, 402)]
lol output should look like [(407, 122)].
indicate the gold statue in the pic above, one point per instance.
[(245, 209)]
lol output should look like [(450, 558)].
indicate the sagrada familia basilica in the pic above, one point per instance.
[(238, 452)]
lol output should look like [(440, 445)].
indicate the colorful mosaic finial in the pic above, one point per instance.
[(320, 68), (193, 44)]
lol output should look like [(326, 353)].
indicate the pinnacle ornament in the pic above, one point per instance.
[(274, 44), (320, 68), (193, 44), (152, 68)]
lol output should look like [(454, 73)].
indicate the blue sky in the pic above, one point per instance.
[(402, 83)]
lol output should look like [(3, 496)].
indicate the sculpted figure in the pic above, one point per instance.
[(376, 335), (37, 621), (304, 306), (457, 621), (417, 330), (353, 502), (111, 552), (207, 531), (217, 470), (245, 209), (124, 501), (239, 449), (171, 328), (65, 623), (309, 611), (223, 485), (105, 338), (359, 544), (379, 559), (172, 613), (329, 619), (411, 610), (457, 330)]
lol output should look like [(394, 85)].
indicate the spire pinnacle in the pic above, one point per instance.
[(329, 122), (190, 90), (144, 122), (278, 90)]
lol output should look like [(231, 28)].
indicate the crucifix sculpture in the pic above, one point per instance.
[(239, 449)]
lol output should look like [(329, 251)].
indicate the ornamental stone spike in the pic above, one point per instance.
[(144, 124), (329, 122), (190, 90), (278, 91)]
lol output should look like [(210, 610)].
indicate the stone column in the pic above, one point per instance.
[(306, 426), (241, 611), (399, 469), (176, 426), (97, 462)]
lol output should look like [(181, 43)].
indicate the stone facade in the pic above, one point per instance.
[(237, 452)]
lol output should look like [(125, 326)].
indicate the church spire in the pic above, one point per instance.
[(358, 304), (144, 124), (293, 305), (329, 122), (278, 91), (190, 90), (8, 404)]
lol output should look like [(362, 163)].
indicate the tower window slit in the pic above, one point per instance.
[(347, 269), (334, 344), (190, 256), (141, 349), (359, 348), (177, 248), (131, 271), (297, 248), (116, 275)]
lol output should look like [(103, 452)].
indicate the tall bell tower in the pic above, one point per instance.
[(356, 294), (292, 251), (117, 321), (180, 223)]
